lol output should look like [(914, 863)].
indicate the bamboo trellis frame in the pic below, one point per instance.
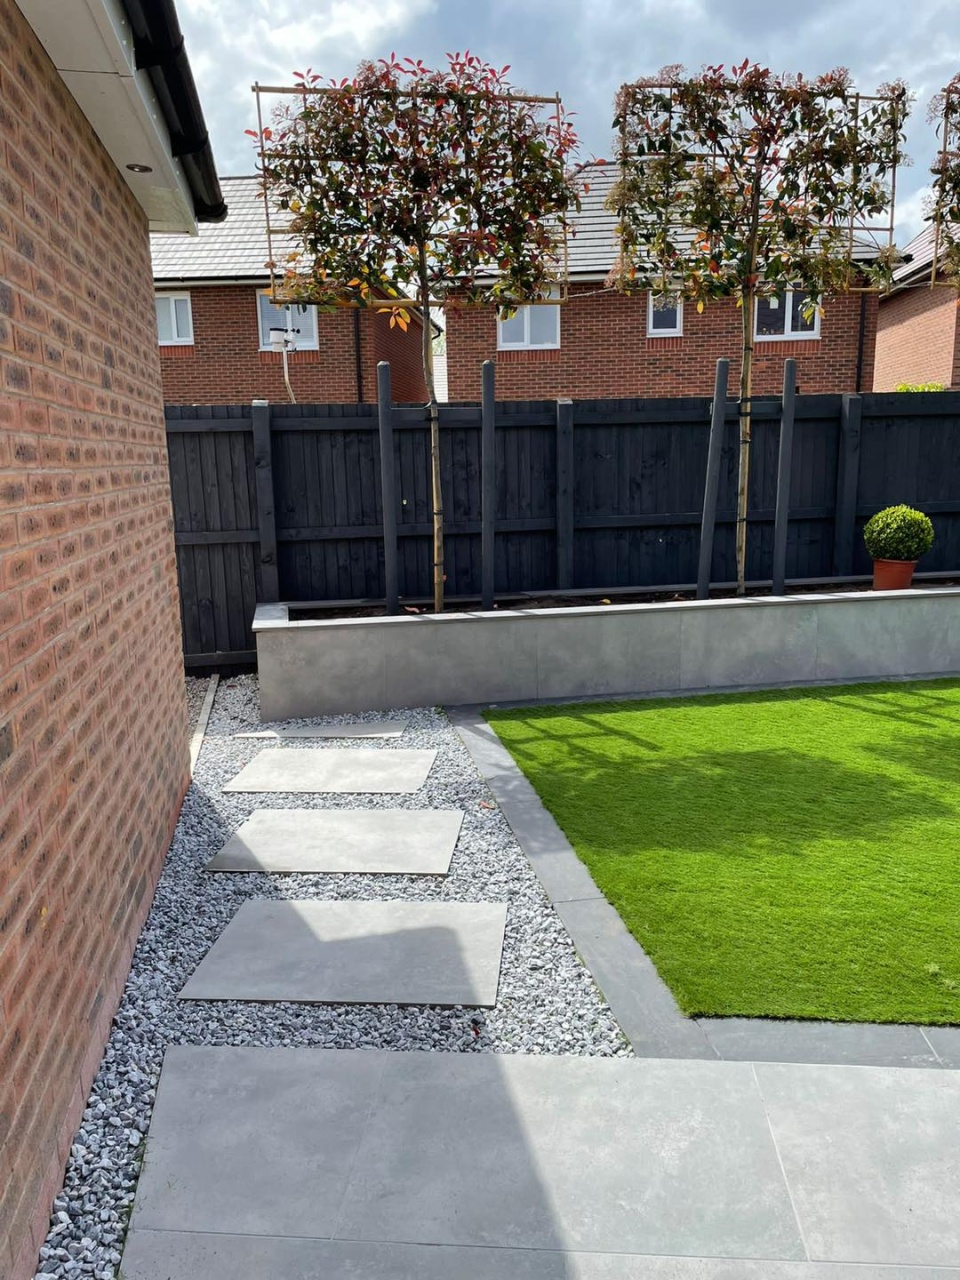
[(400, 303), (949, 149), (881, 233)]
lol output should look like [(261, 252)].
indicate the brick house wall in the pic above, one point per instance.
[(605, 351), (917, 339), (93, 729), (225, 365)]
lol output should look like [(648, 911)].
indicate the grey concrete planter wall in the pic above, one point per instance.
[(360, 664)]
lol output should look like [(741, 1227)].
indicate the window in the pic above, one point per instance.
[(664, 316), (300, 322), (781, 318), (530, 328), (174, 320)]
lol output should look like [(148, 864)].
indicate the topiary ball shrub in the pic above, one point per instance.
[(898, 533)]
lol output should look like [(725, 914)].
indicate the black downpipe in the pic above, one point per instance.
[(861, 341), (159, 50), (357, 354)]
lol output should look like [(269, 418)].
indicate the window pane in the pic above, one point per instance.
[(771, 317), (664, 316), (797, 322), (544, 326), (164, 320), (181, 309), (304, 319), (271, 317), (513, 331)]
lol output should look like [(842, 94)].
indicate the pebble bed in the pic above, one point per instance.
[(547, 1001)]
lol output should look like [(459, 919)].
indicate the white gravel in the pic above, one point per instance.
[(547, 1002)]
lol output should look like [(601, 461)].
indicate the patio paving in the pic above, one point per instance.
[(348, 841), (440, 953), (328, 769), (307, 1162), (362, 729)]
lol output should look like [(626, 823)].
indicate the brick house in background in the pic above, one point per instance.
[(599, 343), (214, 317), (918, 325), (95, 98)]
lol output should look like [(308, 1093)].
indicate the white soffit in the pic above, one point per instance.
[(91, 45)]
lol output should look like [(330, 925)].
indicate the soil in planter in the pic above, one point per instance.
[(320, 613)]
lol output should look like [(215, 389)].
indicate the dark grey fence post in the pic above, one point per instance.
[(388, 488), (718, 414), (784, 469), (564, 494), (848, 467), (266, 517), (488, 485)]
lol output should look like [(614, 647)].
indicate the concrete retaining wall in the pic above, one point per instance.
[(360, 664)]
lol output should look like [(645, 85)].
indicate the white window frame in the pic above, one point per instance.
[(676, 332), (265, 344), (177, 340), (526, 344), (807, 335)]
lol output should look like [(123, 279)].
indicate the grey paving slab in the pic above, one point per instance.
[(328, 769), (331, 841), (945, 1042), (872, 1156), (590, 1155), (440, 953), (584, 1154), (255, 1141), (164, 1255), (362, 729), (841, 1043)]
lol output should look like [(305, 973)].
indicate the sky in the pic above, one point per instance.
[(582, 48)]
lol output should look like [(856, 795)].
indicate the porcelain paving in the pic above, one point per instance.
[(348, 841), (330, 770), (439, 953), (362, 729)]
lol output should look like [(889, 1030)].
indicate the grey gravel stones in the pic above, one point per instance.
[(547, 1002)]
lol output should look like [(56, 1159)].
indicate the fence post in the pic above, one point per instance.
[(784, 469), (388, 488), (848, 467), (718, 416), (564, 494), (266, 517), (488, 485)]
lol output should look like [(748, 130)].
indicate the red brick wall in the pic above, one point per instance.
[(226, 366), (605, 351), (917, 339), (93, 733)]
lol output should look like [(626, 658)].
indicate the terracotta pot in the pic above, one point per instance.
[(892, 575)]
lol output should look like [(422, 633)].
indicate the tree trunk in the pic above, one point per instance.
[(433, 411), (746, 410)]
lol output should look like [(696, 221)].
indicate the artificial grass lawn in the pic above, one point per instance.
[(790, 853)]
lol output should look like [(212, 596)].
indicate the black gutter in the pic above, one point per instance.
[(159, 50)]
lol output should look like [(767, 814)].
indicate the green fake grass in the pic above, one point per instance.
[(789, 854)]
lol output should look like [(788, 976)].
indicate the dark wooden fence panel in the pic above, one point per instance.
[(628, 492)]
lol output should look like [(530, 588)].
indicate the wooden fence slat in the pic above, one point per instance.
[(564, 494), (784, 473), (266, 518), (712, 481), (388, 489), (488, 487), (845, 520)]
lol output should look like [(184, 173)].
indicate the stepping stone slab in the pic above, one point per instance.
[(327, 769), (440, 953), (332, 841), (366, 729), (496, 1152)]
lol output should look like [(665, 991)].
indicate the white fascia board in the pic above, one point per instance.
[(91, 45)]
